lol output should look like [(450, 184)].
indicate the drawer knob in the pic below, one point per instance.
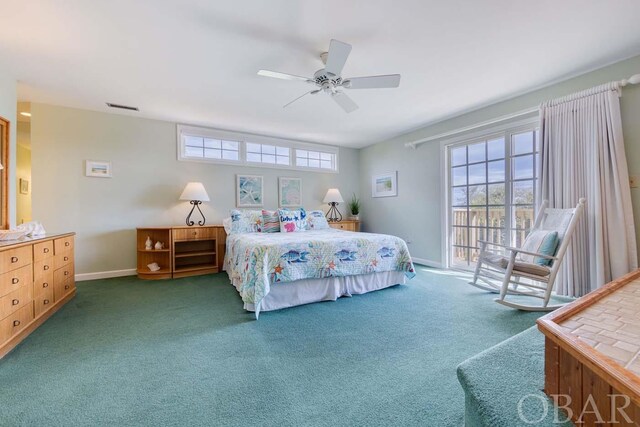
[(66, 273), (45, 302), (15, 302), (14, 280), (195, 233), (66, 258), (46, 250), (66, 243), (45, 285), (46, 267), (16, 323), (66, 287), (14, 259)]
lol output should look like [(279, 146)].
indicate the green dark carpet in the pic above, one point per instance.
[(184, 352)]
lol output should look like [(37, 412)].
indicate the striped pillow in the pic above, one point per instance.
[(542, 242), (270, 221)]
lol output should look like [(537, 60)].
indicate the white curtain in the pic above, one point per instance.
[(582, 155)]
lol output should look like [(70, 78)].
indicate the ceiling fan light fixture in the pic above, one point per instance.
[(329, 79)]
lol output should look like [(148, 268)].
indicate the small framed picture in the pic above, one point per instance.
[(24, 186), (290, 192), (384, 184), (249, 191), (97, 169)]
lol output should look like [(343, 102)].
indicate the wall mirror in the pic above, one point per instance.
[(4, 174)]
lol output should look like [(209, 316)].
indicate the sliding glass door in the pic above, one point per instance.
[(491, 192)]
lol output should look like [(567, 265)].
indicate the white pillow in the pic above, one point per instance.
[(317, 221), (292, 220)]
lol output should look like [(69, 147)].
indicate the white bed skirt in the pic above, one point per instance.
[(290, 294)]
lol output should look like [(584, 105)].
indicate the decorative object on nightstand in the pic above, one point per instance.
[(196, 194), (354, 208), (148, 244), (333, 198), (159, 246)]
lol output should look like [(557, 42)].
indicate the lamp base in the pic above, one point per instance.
[(196, 204), (333, 215)]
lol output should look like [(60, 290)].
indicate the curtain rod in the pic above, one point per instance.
[(635, 79)]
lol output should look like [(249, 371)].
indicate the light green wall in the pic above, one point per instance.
[(23, 171), (416, 213), (147, 181), (8, 107)]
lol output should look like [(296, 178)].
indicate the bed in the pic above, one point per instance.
[(271, 271)]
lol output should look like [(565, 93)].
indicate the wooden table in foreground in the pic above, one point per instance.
[(592, 355)]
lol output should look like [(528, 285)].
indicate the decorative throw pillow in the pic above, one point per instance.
[(247, 221), (317, 221), (540, 241), (292, 220), (270, 221)]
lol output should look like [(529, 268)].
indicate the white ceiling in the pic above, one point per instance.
[(195, 62)]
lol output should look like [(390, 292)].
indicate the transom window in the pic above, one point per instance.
[(206, 148), (314, 159), (492, 193), (271, 154), (215, 146)]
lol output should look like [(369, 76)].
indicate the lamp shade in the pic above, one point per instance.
[(195, 191), (333, 195)]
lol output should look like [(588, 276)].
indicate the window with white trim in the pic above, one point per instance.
[(314, 159), (198, 147), (270, 154), (492, 192), (216, 146)]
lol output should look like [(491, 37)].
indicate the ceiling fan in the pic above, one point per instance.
[(330, 81)]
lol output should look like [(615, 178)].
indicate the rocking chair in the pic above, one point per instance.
[(503, 273)]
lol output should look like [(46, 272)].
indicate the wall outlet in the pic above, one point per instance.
[(634, 181)]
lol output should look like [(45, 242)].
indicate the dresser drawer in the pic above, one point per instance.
[(204, 233), (12, 280), (63, 288), (43, 284), (17, 321), (15, 300), (63, 258), (62, 274), (13, 259), (63, 244), (42, 250), (43, 302), (42, 268)]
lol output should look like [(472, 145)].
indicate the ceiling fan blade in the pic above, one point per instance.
[(283, 76), (344, 101), (338, 54), (312, 92), (373, 82)]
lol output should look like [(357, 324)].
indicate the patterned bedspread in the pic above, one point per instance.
[(256, 261)]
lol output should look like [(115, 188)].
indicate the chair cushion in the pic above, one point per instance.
[(522, 266), (540, 241)]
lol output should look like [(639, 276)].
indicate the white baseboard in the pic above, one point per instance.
[(105, 274), (427, 262)]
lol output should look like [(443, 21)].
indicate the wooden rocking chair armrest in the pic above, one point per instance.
[(520, 251)]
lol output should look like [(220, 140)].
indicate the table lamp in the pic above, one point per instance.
[(196, 194), (333, 198)]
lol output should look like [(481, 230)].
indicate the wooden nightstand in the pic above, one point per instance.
[(188, 251), (346, 225)]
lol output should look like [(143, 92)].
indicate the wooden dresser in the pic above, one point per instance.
[(188, 251), (346, 225), (36, 279)]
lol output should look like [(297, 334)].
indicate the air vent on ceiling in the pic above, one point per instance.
[(122, 107)]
